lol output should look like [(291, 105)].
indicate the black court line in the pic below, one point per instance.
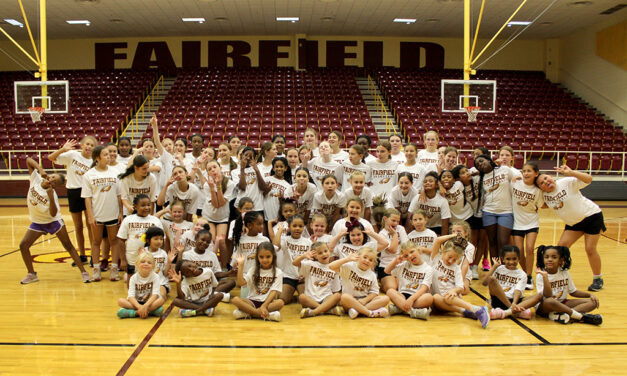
[(66, 344), (528, 329), (144, 342), (39, 242)]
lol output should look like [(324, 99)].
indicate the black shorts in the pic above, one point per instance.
[(218, 223), (258, 304), (496, 303), (130, 270), (75, 201), (381, 272), (592, 225), (475, 223), (406, 295), (523, 233), (292, 282), (437, 230), (199, 212), (113, 222)]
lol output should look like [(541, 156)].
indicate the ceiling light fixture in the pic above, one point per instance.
[(518, 23), (326, 19), (290, 19), (79, 22), (197, 19), (405, 20), (14, 22)]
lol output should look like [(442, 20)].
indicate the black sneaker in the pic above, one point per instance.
[(597, 284), (589, 318), (83, 260)]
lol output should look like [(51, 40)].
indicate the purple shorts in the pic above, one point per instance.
[(47, 228)]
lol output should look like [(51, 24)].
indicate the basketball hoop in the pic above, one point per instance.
[(35, 113), (472, 112)]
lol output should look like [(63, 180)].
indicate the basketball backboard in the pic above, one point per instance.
[(457, 94), (51, 95)]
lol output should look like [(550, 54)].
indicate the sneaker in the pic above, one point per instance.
[(381, 312), (589, 318), (486, 265), (210, 311), (30, 278), (83, 260), (274, 316), (237, 314), (306, 312), (394, 310), (226, 297), (420, 313), (469, 314), (104, 265), (124, 313), (187, 312), (483, 316), (562, 318), (86, 277), (352, 313), (337, 311), (113, 274), (597, 284), (526, 314), (96, 276), (157, 312), (497, 314), (529, 285), (475, 271)]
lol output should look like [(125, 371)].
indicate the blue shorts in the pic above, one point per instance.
[(47, 228), (504, 220)]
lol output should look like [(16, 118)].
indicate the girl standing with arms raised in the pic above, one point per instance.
[(219, 190), (249, 180), (76, 163)]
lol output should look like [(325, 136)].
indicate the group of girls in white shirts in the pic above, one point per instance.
[(347, 219)]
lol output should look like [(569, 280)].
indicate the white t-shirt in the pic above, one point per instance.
[(161, 261), (226, 169), (259, 292), (511, 280), (497, 197), (291, 249), (248, 247), (320, 281), (252, 190), (562, 284), (417, 172), (190, 198), (398, 158), (446, 277), (206, 260), (356, 282), (346, 169), (326, 206), (340, 156), (469, 254), (455, 198), (118, 167), (383, 177), (319, 169), (305, 201), (123, 160), (169, 227), (325, 238), (264, 170), (76, 166), (340, 225), (386, 256), (271, 202), (470, 191), (425, 238), (428, 160), (220, 214), (397, 199), (526, 200), (103, 189), (199, 288), (39, 203), (132, 229), (343, 249), (130, 188), (411, 277), (365, 196), (369, 158), (436, 208), (142, 288), (568, 202)]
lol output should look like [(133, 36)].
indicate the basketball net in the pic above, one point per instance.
[(472, 112), (35, 113)]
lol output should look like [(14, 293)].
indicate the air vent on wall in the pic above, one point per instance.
[(614, 9)]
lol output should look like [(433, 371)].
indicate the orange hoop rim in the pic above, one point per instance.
[(38, 109), (472, 108)]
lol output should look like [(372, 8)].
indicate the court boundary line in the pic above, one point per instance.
[(131, 359), (520, 324)]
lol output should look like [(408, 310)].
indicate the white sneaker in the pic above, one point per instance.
[(237, 314), (352, 313), (394, 310), (420, 313), (274, 316), (226, 297), (475, 271), (96, 275)]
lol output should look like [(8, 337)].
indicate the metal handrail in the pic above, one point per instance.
[(380, 105), (133, 123)]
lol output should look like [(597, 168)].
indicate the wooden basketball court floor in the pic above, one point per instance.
[(62, 326)]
